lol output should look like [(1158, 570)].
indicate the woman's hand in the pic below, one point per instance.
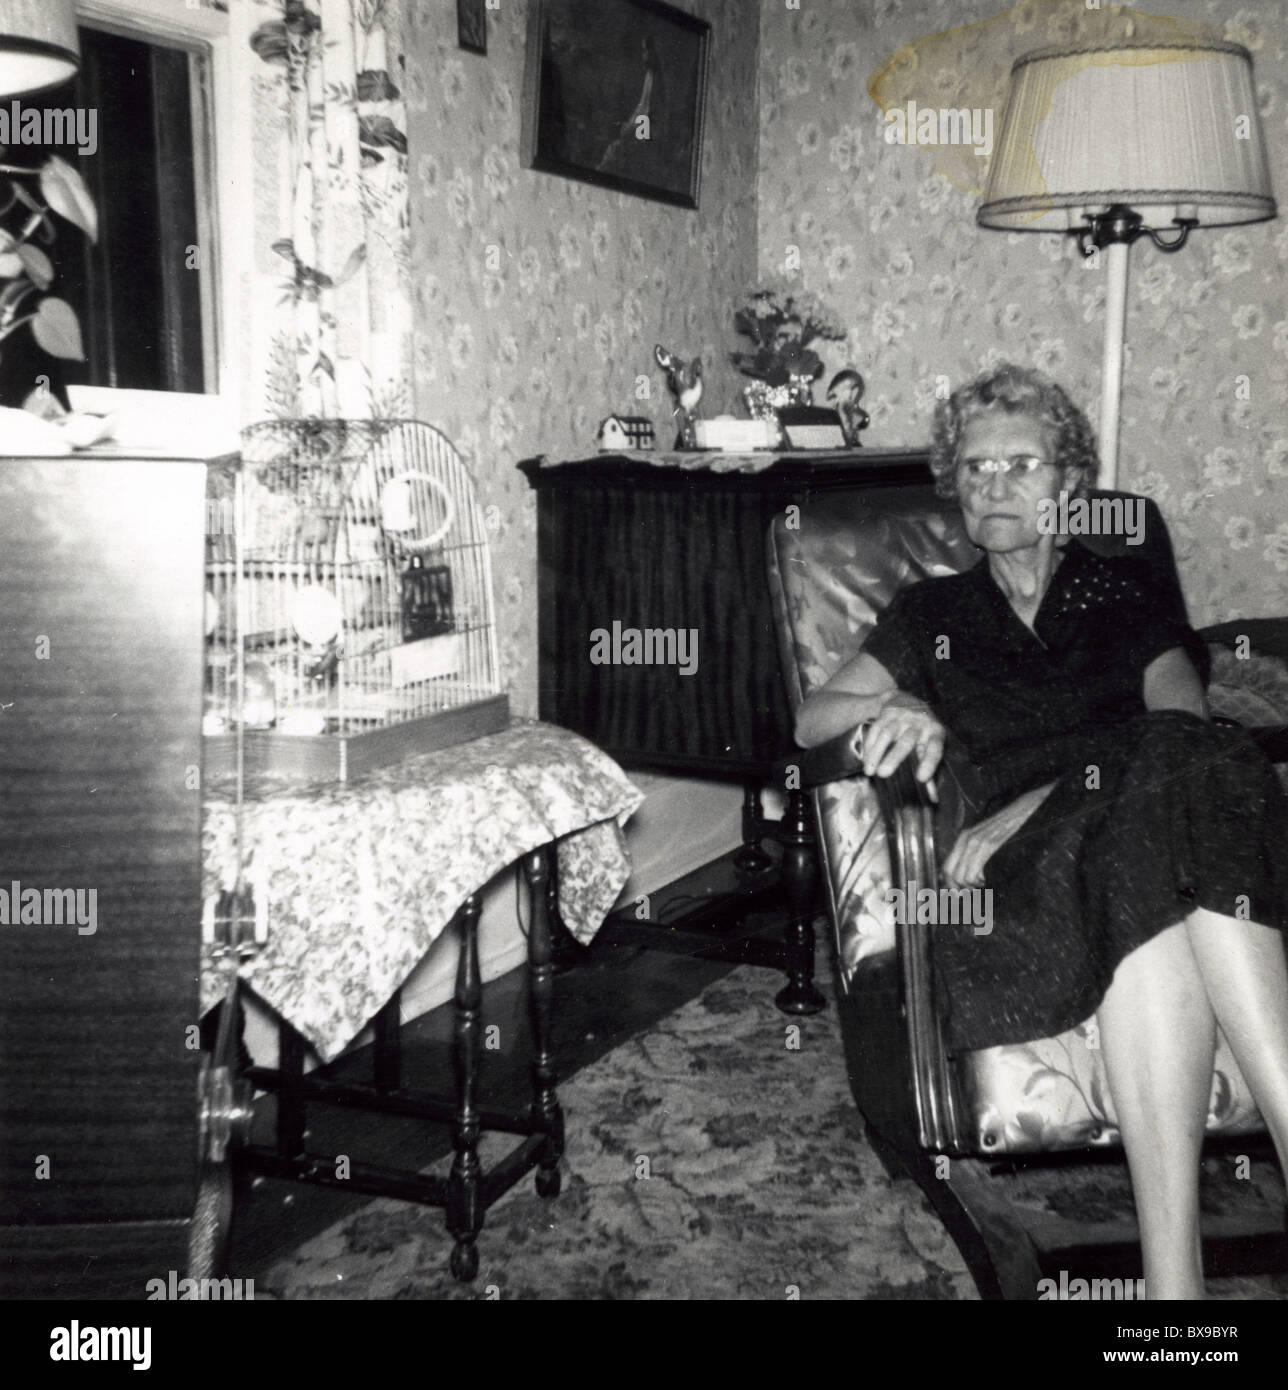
[(905, 725), (969, 856)]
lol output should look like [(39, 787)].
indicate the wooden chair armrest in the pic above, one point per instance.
[(910, 824), (832, 761), (909, 816)]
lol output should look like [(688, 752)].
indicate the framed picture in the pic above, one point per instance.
[(615, 91), (471, 25)]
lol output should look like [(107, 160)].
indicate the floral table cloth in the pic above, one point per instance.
[(355, 881), (716, 460)]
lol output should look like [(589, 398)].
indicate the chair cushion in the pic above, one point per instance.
[(1052, 1094), (1252, 690)]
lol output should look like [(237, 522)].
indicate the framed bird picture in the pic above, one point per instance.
[(615, 92)]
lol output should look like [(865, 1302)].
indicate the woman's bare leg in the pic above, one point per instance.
[(1246, 976), (1158, 1032)]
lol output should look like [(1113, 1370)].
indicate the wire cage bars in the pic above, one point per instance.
[(349, 614)]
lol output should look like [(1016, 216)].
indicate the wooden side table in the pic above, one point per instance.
[(468, 1190), (354, 881), (675, 542)]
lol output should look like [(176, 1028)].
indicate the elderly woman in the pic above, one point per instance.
[(1136, 853)]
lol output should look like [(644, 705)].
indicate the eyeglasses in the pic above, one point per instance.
[(1019, 465)]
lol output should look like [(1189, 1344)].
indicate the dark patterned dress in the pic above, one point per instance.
[(1152, 813)]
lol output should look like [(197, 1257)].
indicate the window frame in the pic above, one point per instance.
[(224, 204)]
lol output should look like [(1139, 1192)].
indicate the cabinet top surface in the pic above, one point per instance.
[(671, 468)]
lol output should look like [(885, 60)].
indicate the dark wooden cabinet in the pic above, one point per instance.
[(101, 656), (671, 543), (649, 544)]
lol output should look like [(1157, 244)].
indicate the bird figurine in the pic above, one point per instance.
[(844, 393), (685, 380)]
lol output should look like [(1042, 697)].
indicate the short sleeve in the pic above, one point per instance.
[(1149, 620), (898, 643)]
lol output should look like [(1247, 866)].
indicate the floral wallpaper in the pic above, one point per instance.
[(885, 235), (537, 300)]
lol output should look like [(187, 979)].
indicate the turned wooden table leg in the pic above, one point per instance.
[(386, 1054), (800, 879), (546, 1113), (566, 952), (463, 1216), (750, 858), (290, 1097)]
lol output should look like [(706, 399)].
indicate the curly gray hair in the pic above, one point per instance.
[(1014, 389)]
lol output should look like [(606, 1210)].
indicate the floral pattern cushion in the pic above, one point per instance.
[(1252, 690), (356, 880), (1052, 1094)]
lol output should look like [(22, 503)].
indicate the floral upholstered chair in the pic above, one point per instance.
[(830, 576)]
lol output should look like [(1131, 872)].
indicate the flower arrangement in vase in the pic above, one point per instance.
[(781, 324)]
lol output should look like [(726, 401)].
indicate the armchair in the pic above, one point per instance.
[(956, 1123)]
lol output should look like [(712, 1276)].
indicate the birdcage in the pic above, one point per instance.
[(349, 617)]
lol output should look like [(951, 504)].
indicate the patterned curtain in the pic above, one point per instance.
[(329, 314)]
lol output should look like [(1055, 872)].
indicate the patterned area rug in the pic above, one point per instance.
[(716, 1156)]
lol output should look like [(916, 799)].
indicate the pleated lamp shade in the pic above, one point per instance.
[(1171, 130), (38, 45)]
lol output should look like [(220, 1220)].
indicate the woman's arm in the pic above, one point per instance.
[(975, 846), (898, 723), (1171, 682), (858, 691)]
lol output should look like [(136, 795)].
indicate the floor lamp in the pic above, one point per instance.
[(1111, 143)]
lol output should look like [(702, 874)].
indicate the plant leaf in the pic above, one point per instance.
[(37, 265), (65, 192), (57, 329)]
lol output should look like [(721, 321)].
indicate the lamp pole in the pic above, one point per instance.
[(1111, 362), (1113, 232)]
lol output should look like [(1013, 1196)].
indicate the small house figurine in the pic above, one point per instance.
[(622, 432)]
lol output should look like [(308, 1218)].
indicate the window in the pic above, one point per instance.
[(137, 124), (138, 291)]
